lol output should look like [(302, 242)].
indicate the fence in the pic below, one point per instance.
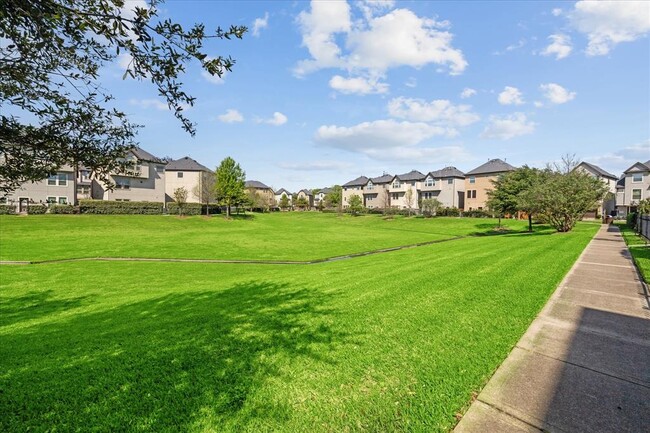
[(643, 225)]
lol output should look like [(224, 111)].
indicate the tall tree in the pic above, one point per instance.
[(508, 193), (229, 186), (55, 111)]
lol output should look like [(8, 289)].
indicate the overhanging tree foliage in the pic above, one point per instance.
[(229, 186), (54, 110)]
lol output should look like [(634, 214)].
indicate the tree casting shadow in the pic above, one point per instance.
[(168, 363)]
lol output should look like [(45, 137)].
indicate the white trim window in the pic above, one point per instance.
[(63, 200), (636, 194), (370, 186), (450, 181), (429, 181), (60, 179), (637, 177), (472, 179), (397, 184)]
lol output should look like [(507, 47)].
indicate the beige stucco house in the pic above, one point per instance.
[(404, 190), (56, 189), (143, 181), (607, 206), (479, 181), (633, 187), (189, 174), (376, 193), (353, 187), (307, 195), (265, 192), (283, 193)]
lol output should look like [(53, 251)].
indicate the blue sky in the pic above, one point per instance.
[(323, 92)]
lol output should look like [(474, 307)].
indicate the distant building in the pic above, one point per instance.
[(189, 174), (479, 181), (633, 187), (607, 206)]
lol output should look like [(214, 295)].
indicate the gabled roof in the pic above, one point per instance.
[(327, 190), (186, 164), (255, 184), (598, 170), (306, 192), (359, 181), (492, 166), (143, 155), (384, 178), (639, 166), (447, 172), (281, 191), (411, 175), (621, 183)]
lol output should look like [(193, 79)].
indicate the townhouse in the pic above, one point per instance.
[(633, 187), (608, 204), (58, 188), (404, 190), (319, 197), (187, 173), (307, 196), (479, 181), (376, 193), (447, 185), (353, 187), (283, 193), (265, 192)]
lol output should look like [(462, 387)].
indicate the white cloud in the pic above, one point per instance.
[(149, 103), (440, 111), (507, 127), (608, 23), (124, 61), (412, 82), (467, 93), (418, 154), (560, 46), (322, 165), (277, 119), (622, 158), (231, 116), (379, 134), (370, 8), (556, 94), (358, 85), (214, 79), (556, 12), (374, 43), (510, 96), (260, 23), (538, 104)]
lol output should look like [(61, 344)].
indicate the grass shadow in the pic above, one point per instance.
[(171, 363), (34, 305)]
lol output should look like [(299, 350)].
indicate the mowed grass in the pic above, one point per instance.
[(390, 342), (639, 248), (277, 236)]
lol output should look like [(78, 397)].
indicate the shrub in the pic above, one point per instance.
[(36, 209), (194, 208), (477, 213), (449, 211), (120, 207), (62, 209), (7, 209), (631, 219)]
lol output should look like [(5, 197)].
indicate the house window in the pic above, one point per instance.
[(471, 193), (396, 184), (429, 181), (450, 181), (179, 174), (395, 196), (637, 177), (636, 194), (51, 180), (370, 186), (63, 200), (472, 179), (63, 179), (51, 199), (160, 168)]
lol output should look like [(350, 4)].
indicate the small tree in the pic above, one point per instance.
[(334, 198), (204, 192), (180, 197), (385, 201), (409, 199), (301, 202), (355, 205), (284, 202), (431, 206), (508, 195), (229, 186)]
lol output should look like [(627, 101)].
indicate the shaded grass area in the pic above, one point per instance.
[(639, 249), (396, 342), (277, 236)]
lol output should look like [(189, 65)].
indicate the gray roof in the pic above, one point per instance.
[(186, 164), (359, 181), (143, 155), (645, 164), (621, 183), (255, 184), (384, 178), (492, 166), (598, 170), (282, 190), (411, 175), (448, 172), (306, 191), (327, 190)]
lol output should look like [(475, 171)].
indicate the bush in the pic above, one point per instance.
[(449, 211), (193, 208), (7, 209), (36, 209), (631, 219), (477, 213), (62, 209), (120, 207)]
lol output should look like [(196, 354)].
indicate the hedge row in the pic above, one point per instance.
[(36, 209), (7, 209), (120, 207), (62, 209), (193, 208)]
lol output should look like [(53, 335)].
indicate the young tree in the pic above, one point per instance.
[(204, 192), (301, 202), (355, 204), (50, 61), (229, 185), (180, 197), (385, 200), (284, 202), (334, 199), (431, 206), (409, 199)]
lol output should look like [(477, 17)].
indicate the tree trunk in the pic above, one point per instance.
[(227, 210), (530, 223)]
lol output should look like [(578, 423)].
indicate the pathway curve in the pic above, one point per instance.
[(584, 363)]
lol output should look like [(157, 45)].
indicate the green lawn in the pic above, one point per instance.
[(278, 236), (389, 342), (639, 249)]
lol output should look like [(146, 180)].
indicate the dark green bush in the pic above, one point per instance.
[(194, 208), (631, 219), (62, 209), (36, 209), (7, 209), (449, 211), (477, 213), (120, 207)]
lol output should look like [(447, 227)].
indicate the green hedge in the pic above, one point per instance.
[(36, 209), (477, 213), (7, 209), (193, 208), (62, 209), (449, 211), (120, 207)]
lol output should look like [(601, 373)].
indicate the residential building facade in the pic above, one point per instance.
[(189, 174), (376, 193), (404, 190), (56, 189), (353, 187), (633, 187), (479, 181), (446, 185), (283, 192), (264, 191), (608, 205)]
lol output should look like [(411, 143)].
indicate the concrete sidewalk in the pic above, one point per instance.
[(584, 363)]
